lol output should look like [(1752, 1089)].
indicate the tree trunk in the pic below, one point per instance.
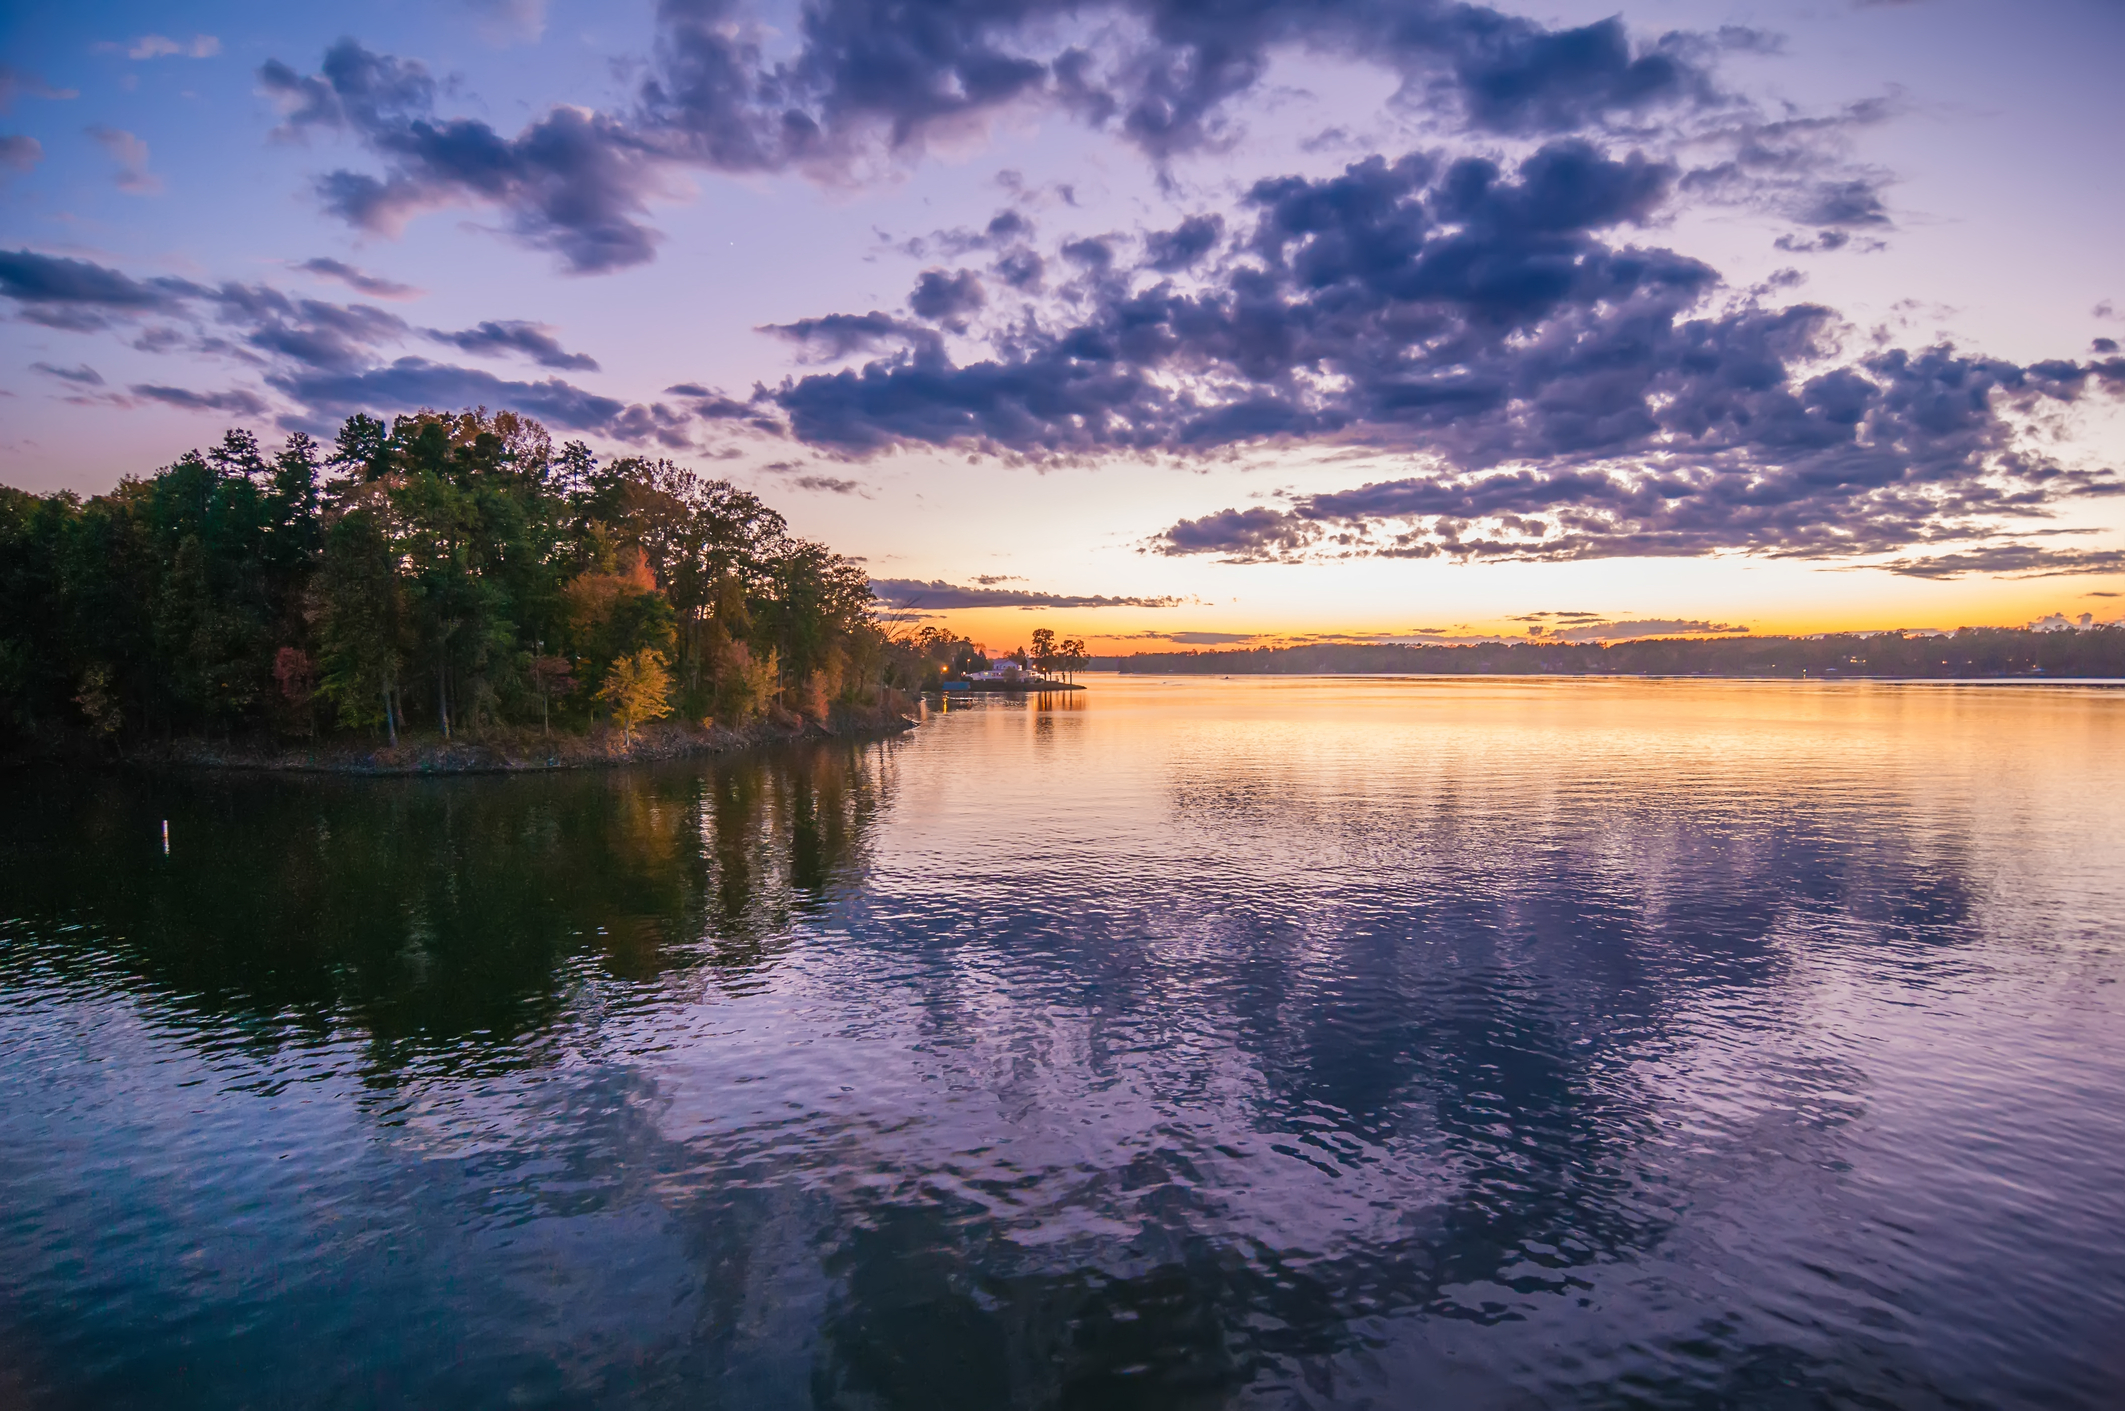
[(442, 698)]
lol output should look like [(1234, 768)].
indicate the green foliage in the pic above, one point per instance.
[(455, 570)]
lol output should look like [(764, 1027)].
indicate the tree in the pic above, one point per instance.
[(552, 676), (1043, 649), (637, 688), (358, 608), (456, 567), (296, 675)]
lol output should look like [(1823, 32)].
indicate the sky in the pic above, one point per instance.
[(1155, 323)]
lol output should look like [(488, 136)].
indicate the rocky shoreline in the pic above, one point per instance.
[(515, 750)]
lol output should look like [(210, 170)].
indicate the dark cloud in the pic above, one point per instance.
[(835, 336), (573, 182), (947, 298), (1798, 167), (236, 402), (1404, 280), (1242, 534), (1093, 254), (1171, 251), (1576, 396), (82, 376), (19, 152), (1021, 269), (374, 286), (416, 382), (530, 340), (79, 295), (327, 358), (1846, 204), (829, 484), (2012, 560), (939, 596), (868, 73)]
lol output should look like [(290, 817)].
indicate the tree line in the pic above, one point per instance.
[(447, 573), (1970, 651)]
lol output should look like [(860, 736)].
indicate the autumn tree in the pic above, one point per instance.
[(637, 688), (452, 567)]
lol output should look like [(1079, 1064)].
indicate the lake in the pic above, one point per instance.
[(1177, 1043)]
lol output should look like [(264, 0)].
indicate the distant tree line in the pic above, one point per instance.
[(449, 573), (1970, 651)]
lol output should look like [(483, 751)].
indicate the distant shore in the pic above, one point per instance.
[(2089, 650), (512, 751)]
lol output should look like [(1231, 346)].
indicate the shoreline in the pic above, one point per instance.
[(514, 751), (1003, 688)]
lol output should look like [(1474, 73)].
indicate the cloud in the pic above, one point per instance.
[(16, 83), (161, 46), (1258, 533), (938, 595), (131, 154), (82, 376), (867, 79), (1171, 251), (79, 295), (375, 286), (509, 21), (829, 484), (1628, 629), (2012, 561), (573, 182), (18, 152), (531, 340), (1567, 394), (417, 382), (835, 336), (947, 298), (236, 402), (1799, 167), (1197, 639), (328, 360), (1340, 279)]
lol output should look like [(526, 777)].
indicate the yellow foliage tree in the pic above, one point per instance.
[(638, 688)]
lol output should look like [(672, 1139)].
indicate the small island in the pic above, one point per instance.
[(956, 666), (445, 592)]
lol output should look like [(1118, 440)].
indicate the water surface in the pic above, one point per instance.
[(1187, 1043)]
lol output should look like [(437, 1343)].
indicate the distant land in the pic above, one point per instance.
[(1970, 652)]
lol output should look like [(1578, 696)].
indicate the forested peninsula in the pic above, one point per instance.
[(445, 591), (2086, 652)]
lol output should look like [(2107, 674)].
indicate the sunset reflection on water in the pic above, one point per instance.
[(1172, 1043)]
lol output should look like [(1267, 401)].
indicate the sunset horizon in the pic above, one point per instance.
[(1160, 330)]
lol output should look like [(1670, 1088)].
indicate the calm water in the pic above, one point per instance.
[(1282, 1043)]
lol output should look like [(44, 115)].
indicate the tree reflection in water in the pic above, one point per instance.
[(449, 920)]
